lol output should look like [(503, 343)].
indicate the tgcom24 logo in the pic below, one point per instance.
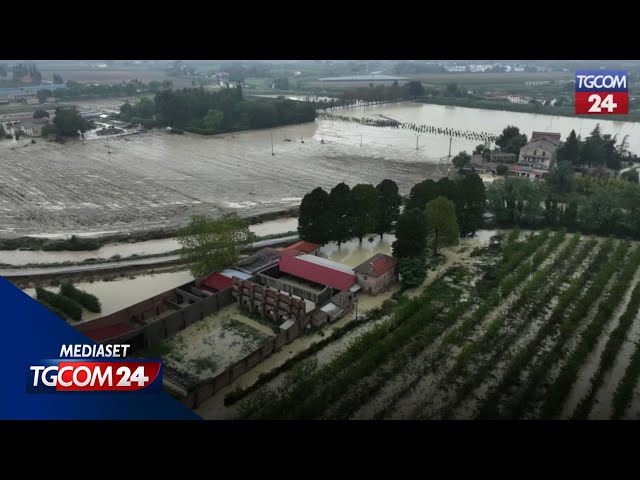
[(94, 368), (601, 92)]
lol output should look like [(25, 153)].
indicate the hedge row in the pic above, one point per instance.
[(87, 300), (70, 307)]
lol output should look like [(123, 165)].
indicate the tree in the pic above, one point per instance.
[(213, 120), (314, 220), (517, 201), (40, 113), (3, 70), (68, 122), (42, 95), (413, 271), (570, 150), (472, 204), (341, 207), (511, 140), (411, 234), (387, 207), (502, 169), (560, 179), (209, 245), (442, 224), (630, 175), (364, 198), (415, 88), (57, 79), (452, 90), (421, 193), (2, 132), (461, 160)]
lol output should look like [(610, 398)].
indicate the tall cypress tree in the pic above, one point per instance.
[(341, 206), (388, 206), (314, 220)]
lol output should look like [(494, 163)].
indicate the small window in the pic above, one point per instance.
[(365, 277)]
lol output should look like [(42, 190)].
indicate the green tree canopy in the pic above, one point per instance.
[(68, 122), (364, 197), (442, 224), (511, 140), (472, 204), (413, 271), (415, 88), (387, 207), (411, 234), (40, 113), (570, 150), (341, 206), (421, 193), (315, 218), (560, 178), (210, 245), (461, 160)]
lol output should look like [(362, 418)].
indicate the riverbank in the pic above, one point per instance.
[(82, 242), (515, 107)]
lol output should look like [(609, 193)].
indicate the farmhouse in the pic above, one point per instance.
[(377, 274), (539, 155)]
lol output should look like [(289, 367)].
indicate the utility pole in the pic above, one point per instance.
[(356, 303), (272, 144), (108, 148), (360, 139), (450, 140), (417, 137)]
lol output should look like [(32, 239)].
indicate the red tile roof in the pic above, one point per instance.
[(317, 273), (376, 265), (217, 281), (105, 333), (300, 247)]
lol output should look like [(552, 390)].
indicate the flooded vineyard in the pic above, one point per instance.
[(551, 333)]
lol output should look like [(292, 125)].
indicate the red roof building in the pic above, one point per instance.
[(105, 333), (301, 248), (319, 270), (216, 282), (377, 274)]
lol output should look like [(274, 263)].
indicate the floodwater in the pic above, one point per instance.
[(491, 121), (118, 294), (157, 180), (125, 249)]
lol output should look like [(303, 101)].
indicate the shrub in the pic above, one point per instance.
[(87, 300), (502, 169), (70, 307), (413, 271)]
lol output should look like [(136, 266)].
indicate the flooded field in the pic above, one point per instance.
[(156, 180), (492, 121), (206, 348), (124, 292), (353, 253), (125, 249)]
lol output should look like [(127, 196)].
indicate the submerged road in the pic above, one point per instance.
[(96, 267)]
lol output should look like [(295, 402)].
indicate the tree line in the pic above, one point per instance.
[(594, 205), (210, 112), (344, 212), (596, 150), (435, 214)]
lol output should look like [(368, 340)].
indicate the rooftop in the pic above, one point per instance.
[(327, 263), (217, 281), (318, 270), (299, 248), (377, 265)]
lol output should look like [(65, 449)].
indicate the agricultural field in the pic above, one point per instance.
[(544, 326)]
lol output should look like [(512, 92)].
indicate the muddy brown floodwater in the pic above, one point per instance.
[(157, 180)]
